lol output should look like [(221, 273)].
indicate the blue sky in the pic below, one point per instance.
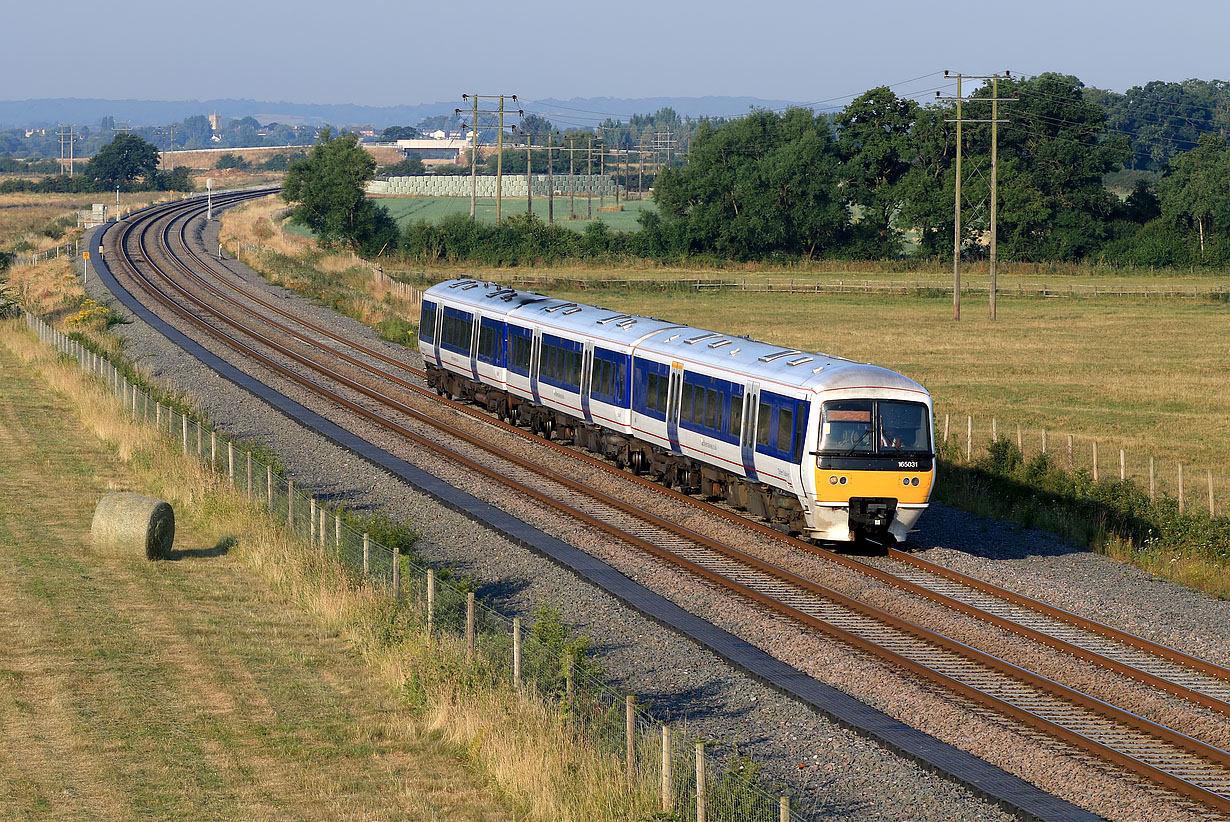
[(380, 52)]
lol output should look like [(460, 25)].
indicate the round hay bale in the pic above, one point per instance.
[(129, 524)]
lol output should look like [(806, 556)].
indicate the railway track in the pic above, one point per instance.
[(1188, 766)]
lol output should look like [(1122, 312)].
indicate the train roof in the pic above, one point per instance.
[(766, 361)]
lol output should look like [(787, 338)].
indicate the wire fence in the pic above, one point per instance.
[(688, 775), (1193, 487), (68, 249)]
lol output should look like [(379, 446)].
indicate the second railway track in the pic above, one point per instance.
[(1189, 766)]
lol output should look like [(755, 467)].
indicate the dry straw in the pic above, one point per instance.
[(131, 524)]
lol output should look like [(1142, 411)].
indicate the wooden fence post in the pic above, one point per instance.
[(337, 531), (1212, 511), (945, 428), (470, 625), (1122, 465), (199, 451), (667, 798), (784, 815), (1019, 444), (569, 685), (290, 503), (994, 429), (1043, 440), (969, 437), (230, 462), (630, 735), (1180, 488), (397, 572), (322, 528), (367, 552), (312, 521), (700, 782), (269, 486), (1152, 484), (1095, 460), (184, 420), (516, 631), (213, 450)]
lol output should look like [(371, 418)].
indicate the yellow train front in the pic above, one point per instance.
[(874, 461)]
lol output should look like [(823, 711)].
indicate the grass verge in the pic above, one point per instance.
[(529, 756)]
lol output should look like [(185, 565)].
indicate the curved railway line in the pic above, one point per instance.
[(343, 373)]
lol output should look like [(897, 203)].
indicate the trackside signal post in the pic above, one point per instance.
[(994, 100)]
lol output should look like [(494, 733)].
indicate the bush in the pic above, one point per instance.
[(228, 160)]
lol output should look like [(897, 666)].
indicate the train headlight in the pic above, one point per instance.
[(843, 480), (905, 480), (832, 480), (914, 481)]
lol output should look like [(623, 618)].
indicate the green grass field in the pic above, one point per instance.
[(409, 209)]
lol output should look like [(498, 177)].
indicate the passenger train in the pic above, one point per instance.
[(817, 445)]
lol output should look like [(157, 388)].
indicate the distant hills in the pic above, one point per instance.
[(577, 111)]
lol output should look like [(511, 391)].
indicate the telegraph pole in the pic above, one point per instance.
[(994, 100), (529, 180), (589, 179), (499, 162)]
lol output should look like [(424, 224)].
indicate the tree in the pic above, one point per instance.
[(195, 132), (874, 142), (328, 188), (533, 124), (228, 160), (1195, 193), (122, 162), (407, 167), (399, 133), (765, 184)]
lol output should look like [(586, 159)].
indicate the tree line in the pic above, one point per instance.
[(877, 181), (127, 163)]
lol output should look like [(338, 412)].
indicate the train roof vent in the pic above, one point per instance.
[(503, 293), (613, 319), (572, 310), (817, 370), (628, 323), (778, 355), (701, 338), (735, 351), (671, 338), (462, 282), (468, 286), (719, 343), (800, 361), (549, 309)]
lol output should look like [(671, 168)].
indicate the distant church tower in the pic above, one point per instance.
[(215, 121)]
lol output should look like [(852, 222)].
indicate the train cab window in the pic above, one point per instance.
[(736, 415), (427, 322), (845, 427), (800, 431), (785, 428), (764, 415), (903, 427)]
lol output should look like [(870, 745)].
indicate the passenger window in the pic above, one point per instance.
[(785, 427), (685, 409), (711, 408), (762, 424), (651, 392)]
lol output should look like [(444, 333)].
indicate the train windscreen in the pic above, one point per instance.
[(863, 427)]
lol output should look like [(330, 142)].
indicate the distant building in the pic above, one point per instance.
[(215, 122), (366, 131)]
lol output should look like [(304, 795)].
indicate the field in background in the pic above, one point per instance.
[(410, 209), (1146, 375)]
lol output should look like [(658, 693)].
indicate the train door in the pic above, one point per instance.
[(587, 375), (673, 396), (439, 321), (747, 435), (474, 329), (535, 361)]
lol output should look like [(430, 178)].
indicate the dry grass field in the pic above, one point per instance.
[(180, 689)]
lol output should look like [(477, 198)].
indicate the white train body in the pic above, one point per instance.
[(815, 444)]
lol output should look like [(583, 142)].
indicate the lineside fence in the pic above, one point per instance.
[(68, 249), (688, 776), (901, 288), (1195, 488)]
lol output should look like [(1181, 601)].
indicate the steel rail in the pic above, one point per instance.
[(1130, 763), (1075, 649)]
